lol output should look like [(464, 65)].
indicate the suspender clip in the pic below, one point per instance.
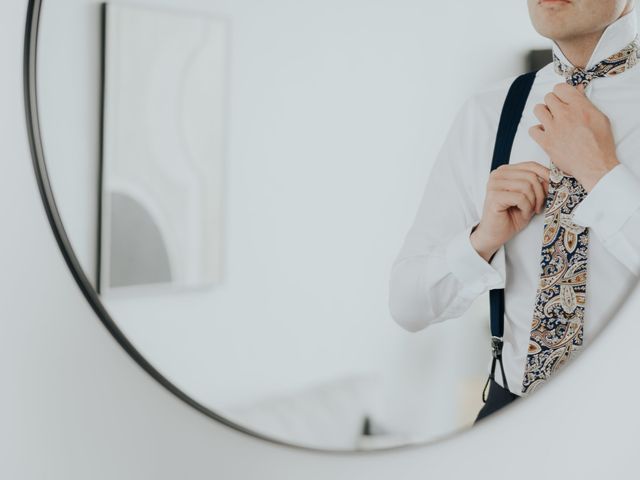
[(496, 347), (496, 350)]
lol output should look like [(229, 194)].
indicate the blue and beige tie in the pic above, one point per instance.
[(558, 317)]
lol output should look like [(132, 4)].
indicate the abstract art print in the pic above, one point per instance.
[(161, 186)]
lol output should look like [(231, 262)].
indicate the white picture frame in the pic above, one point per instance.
[(163, 148)]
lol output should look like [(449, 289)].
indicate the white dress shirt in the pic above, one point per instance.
[(438, 274)]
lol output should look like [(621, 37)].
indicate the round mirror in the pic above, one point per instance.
[(241, 189)]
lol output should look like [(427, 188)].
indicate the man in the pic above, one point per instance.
[(572, 182)]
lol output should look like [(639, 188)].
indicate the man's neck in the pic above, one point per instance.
[(578, 50)]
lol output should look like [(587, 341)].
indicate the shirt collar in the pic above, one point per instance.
[(614, 38)]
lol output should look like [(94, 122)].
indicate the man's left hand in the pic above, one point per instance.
[(575, 134)]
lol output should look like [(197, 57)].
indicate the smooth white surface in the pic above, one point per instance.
[(74, 406), (437, 274)]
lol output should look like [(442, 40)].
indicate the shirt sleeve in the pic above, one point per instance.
[(612, 211), (438, 274)]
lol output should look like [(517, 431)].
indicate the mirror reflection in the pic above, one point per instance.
[(329, 221)]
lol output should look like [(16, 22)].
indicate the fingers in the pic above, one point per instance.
[(531, 171), (525, 184), (521, 180), (506, 199), (537, 133), (554, 103), (542, 112), (566, 93), (535, 195), (540, 170)]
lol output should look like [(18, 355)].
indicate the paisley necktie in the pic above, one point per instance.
[(558, 317)]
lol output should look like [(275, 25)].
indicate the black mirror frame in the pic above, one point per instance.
[(42, 177)]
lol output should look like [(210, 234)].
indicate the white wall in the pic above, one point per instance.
[(336, 112), (74, 405)]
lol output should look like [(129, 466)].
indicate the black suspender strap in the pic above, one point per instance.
[(509, 120)]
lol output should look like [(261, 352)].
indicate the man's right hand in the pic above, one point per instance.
[(515, 193)]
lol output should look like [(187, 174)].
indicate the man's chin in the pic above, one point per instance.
[(555, 34)]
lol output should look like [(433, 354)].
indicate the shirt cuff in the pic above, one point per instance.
[(474, 272), (611, 202)]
